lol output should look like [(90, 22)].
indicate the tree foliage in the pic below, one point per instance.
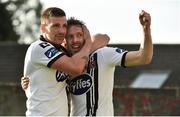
[(19, 20), (6, 29)]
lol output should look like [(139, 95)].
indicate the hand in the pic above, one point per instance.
[(99, 41), (145, 19), (87, 35), (24, 82), (101, 38)]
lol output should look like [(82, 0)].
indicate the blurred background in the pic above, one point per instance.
[(144, 90)]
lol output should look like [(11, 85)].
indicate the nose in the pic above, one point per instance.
[(62, 30), (75, 39)]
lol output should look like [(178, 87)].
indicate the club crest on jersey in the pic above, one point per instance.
[(80, 84), (61, 76), (51, 52), (119, 50)]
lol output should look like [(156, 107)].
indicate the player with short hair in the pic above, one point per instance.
[(47, 65), (91, 93)]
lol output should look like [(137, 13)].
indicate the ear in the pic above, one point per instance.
[(42, 28), (64, 44)]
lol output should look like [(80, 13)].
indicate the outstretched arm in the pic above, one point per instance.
[(145, 53)]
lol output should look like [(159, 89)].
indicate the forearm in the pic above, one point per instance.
[(145, 53), (81, 58), (146, 47), (79, 64)]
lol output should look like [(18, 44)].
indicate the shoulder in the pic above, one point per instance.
[(40, 45), (102, 49), (107, 49), (41, 48)]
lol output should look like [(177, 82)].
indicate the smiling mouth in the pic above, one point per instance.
[(76, 47)]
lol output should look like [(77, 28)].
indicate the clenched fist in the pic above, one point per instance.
[(145, 19)]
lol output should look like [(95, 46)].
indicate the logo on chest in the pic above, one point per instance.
[(80, 84), (61, 76)]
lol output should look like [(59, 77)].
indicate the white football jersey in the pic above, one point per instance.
[(46, 93), (91, 93)]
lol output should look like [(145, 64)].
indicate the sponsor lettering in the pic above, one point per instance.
[(80, 84), (61, 76)]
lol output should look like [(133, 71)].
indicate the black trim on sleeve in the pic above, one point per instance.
[(57, 46), (53, 60), (123, 60)]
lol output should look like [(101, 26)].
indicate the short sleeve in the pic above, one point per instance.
[(45, 54), (114, 56)]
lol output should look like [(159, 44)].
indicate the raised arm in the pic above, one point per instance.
[(75, 65), (145, 53)]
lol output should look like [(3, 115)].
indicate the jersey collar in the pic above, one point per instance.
[(57, 46)]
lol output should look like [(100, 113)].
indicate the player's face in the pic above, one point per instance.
[(74, 39), (55, 29)]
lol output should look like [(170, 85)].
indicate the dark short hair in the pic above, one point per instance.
[(51, 12), (74, 22)]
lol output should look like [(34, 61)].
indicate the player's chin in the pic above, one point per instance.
[(59, 40), (75, 50)]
